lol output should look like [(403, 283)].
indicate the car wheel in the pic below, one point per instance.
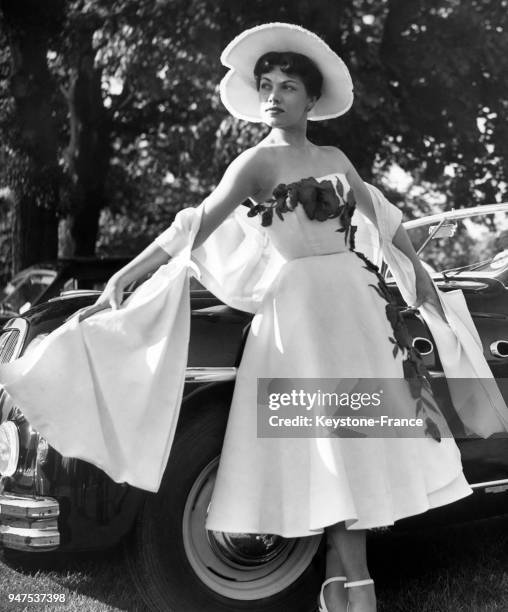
[(179, 566)]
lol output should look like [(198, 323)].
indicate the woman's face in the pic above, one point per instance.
[(283, 99)]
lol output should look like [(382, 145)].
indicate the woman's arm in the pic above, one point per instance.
[(425, 291), (239, 182)]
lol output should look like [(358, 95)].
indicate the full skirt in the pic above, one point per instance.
[(323, 318)]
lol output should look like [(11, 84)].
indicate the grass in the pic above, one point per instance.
[(462, 568), (91, 582)]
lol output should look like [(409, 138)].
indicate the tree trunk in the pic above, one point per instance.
[(27, 25), (89, 150)]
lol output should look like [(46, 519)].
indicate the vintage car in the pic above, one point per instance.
[(43, 281), (49, 502)]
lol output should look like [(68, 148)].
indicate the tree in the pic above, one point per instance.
[(88, 152), (31, 139), (445, 63), (141, 131)]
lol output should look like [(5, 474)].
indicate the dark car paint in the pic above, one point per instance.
[(85, 270)]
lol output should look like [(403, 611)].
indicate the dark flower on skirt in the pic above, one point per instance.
[(401, 333), (412, 377), (392, 314)]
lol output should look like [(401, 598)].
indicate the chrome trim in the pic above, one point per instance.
[(20, 325), (461, 283), (67, 295), (461, 213), (210, 374), (436, 374), (430, 236), (21, 538), (496, 316), (490, 483), (28, 507), (497, 489), (12, 434), (495, 349), (427, 341), (74, 293), (29, 523)]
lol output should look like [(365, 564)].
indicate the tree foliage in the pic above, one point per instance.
[(132, 88)]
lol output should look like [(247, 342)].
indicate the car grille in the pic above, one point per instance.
[(8, 344)]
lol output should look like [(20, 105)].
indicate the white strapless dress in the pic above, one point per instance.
[(322, 318)]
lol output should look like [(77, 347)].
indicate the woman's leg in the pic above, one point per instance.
[(350, 546), (334, 593)]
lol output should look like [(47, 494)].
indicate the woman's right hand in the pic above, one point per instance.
[(111, 297), (145, 263), (112, 294)]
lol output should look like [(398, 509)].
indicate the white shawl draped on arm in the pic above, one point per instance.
[(108, 389), (473, 389)]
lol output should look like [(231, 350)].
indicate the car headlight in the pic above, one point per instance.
[(9, 448)]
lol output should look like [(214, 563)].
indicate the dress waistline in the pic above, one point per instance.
[(319, 255)]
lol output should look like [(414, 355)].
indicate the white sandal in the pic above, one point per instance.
[(357, 583), (322, 605)]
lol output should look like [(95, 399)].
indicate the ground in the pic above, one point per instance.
[(460, 568)]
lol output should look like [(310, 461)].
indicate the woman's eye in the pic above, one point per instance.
[(265, 86)]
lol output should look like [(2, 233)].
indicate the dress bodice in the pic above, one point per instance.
[(297, 236)]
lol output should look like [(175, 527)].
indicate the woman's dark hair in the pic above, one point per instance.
[(291, 63)]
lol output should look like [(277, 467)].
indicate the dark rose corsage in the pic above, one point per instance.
[(320, 200)]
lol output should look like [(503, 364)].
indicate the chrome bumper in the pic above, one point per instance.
[(29, 523)]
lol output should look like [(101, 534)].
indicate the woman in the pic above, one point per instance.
[(297, 77), (321, 312)]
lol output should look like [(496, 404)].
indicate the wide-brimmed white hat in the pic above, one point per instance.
[(238, 88)]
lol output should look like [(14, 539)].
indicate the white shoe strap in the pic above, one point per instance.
[(327, 581), (334, 579), (357, 583)]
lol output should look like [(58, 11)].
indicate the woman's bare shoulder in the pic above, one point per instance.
[(246, 175), (257, 164), (337, 157), (255, 160)]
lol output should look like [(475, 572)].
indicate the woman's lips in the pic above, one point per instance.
[(274, 110)]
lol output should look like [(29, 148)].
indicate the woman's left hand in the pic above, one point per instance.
[(426, 293)]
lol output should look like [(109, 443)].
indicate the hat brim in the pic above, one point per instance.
[(238, 87)]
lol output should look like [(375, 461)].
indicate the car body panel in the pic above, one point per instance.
[(26, 290)]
